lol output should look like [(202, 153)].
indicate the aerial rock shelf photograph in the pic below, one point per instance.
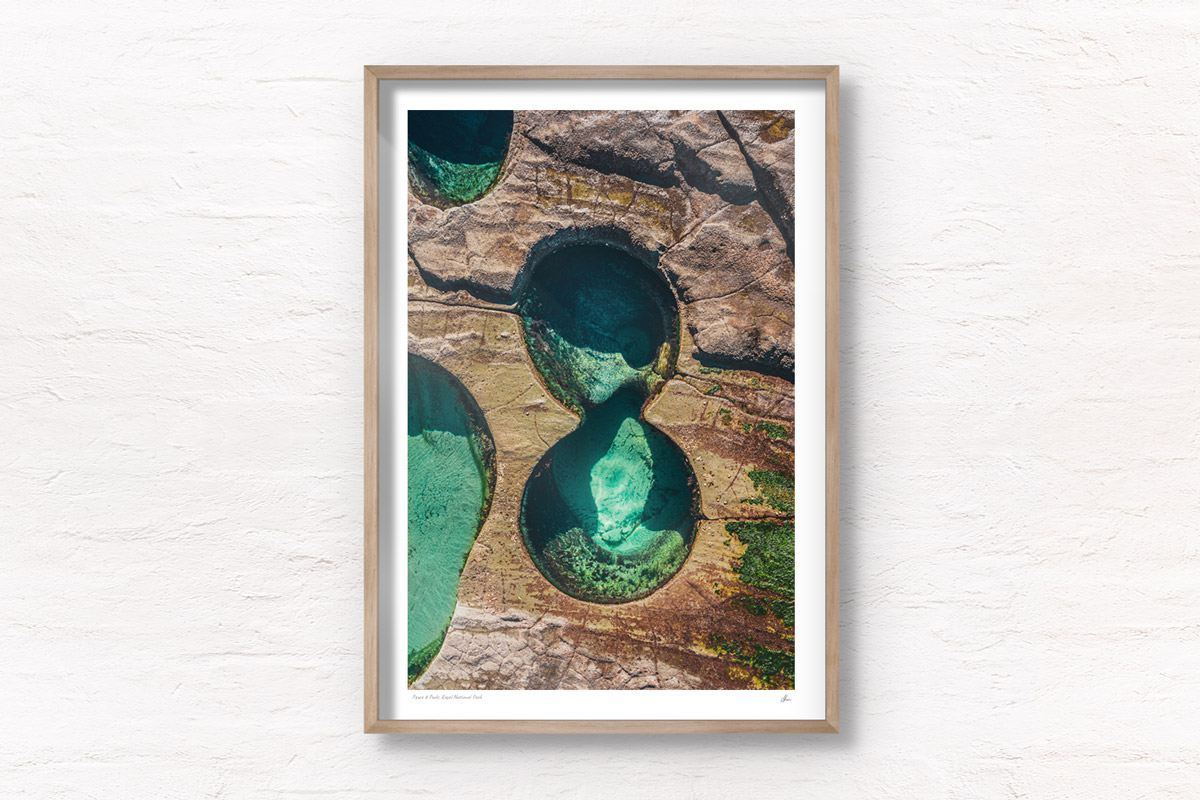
[(601, 400)]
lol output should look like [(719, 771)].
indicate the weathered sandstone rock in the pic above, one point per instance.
[(714, 186)]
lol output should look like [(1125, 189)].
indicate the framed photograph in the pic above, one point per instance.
[(605, 302)]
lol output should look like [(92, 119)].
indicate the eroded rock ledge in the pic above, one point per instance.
[(706, 195)]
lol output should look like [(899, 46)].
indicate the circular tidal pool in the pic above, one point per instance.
[(608, 513), (596, 319), (456, 157), (450, 457)]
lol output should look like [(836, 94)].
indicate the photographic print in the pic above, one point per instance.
[(600, 451), (590, 325)]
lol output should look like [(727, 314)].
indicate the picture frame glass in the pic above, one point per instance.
[(603, 310)]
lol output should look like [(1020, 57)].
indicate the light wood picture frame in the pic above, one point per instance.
[(375, 566)]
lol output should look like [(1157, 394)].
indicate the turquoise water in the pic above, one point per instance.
[(456, 157), (595, 321), (449, 483), (607, 515)]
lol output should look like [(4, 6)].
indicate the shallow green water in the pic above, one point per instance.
[(607, 515), (456, 157), (449, 475)]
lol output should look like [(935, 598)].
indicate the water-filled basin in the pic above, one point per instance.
[(450, 456), (456, 157), (608, 513)]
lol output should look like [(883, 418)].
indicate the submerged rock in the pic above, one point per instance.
[(607, 515), (455, 157), (596, 320)]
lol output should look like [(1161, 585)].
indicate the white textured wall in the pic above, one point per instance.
[(181, 410)]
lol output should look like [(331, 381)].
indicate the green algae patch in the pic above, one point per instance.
[(769, 562), (456, 157), (771, 668), (450, 476), (607, 515), (775, 490), (597, 320), (772, 430), (767, 570)]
